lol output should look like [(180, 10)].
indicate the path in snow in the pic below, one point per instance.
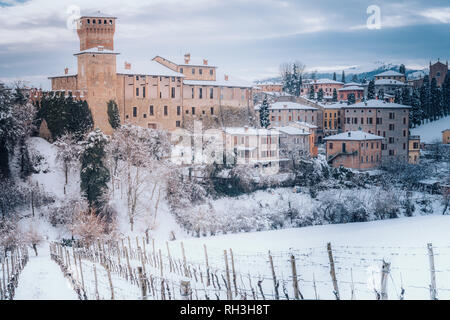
[(42, 279)]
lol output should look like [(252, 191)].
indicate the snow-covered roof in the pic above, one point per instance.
[(389, 73), (149, 68), (250, 131), (292, 131), (351, 88), (374, 103), (231, 82), (271, 83), (97, 50), (327, 81), (62, 76), (306, 124), (354, 135), (349, 84), (281, 105), (194, 62), (336, 105), (388, 82), (97, 14)]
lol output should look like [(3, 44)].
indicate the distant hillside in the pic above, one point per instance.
[(362, 72)]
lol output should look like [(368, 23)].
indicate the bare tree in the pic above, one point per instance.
[(69, 151), (33, 238)]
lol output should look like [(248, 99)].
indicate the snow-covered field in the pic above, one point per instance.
[(432, 131)]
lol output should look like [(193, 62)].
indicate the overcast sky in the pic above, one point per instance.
[(245, 38)]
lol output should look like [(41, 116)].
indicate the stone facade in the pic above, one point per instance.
[(438, 70), (354, 149), (389, 120), (159, 95)]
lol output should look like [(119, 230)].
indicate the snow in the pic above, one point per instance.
[(351, 88), (375, 103), (150, 68), (231, 82), (42, 279), (432, 131), (250, 131), (337, 105), (354, 135), (292, 131), (327, 81), (287, 105), (389, 82), (389, 73)]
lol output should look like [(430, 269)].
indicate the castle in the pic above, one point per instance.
[(160, 95)]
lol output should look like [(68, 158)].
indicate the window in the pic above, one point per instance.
[(166, 111), (211, 93), (369, 120), (181, 70), (391, 126), (134, 111), (404, 146), (137, 92), (151, 111), (391, 152), (404, 120), (379, 121), (144, 115), (200, 71), (137, 77), (193, 71), (362, 120), (192, 93), (143, 92), (211, 71), (177, 124), (330, 145), (173, 92), (178, 110), (193, 110), (200, 93), (391, 139), (212, 110), (391, 115), (404, 133)]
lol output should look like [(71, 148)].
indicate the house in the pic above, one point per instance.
[(312, 129), (294, 143), (253, 146), (356, 90), (354, 149), (391, 75), (327, 85), (282, 113), (389, 120), (414, 149), (446, 136)]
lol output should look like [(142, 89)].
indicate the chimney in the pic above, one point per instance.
[(187, 58), (66, 70), (246, 128), (205, 62), (226, 77), (127, 66)]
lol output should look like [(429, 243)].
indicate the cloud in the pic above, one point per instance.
[(441, 14)]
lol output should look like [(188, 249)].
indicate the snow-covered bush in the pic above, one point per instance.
[(64, 212), (89, 226)]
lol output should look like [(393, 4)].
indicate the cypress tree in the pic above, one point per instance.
[(311, 92), (320, 95), (351, 99), (435, 100), (425, 98), (380, 94), (334, 76), (264, 113), (406, 96), (335, 95), (446, 94), (94, 174), (371, 90), (343, 77), (415, 115), (113, 114)]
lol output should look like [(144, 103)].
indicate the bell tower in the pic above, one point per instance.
[(96, 30)]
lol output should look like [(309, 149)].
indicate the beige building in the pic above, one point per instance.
[(158, 94), (446, 136), (414, 149), (282, 113), (259, 147)]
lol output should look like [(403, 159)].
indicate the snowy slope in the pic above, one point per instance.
[(431, 131)]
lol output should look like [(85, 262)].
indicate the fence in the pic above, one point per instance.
[(12, 265), (138, 269)]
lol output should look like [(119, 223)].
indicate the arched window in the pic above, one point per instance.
[(89, 21)]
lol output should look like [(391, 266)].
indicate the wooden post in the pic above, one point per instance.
[(96, 284), (229, 295), (142, 283), (186, 274), (168, 254), (208, 283), (81, 273), (315, 288), (160, 262), (234, 272), (110, 282), (384, 278), (433, 291), (294, 278), (130, 271), (185, 288), (274, 277), (333, 271), (154, 254)]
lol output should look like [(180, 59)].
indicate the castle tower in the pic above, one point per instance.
[(97, 74), (96, 30)]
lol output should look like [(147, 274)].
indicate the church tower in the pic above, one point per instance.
[(97, 75)]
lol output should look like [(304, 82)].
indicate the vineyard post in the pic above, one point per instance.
[(227, 270), (384, 278), (110, 282), (207, 266), (96, 284), (333, 271), (128, 264), (186, 274), (294, 278), (161, 262), (142, 282), (81, 273), (234, 272), (274, 277), (185, 287), (433, 291), (168, 254)]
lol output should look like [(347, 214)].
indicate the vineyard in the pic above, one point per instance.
[(139, 268)]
